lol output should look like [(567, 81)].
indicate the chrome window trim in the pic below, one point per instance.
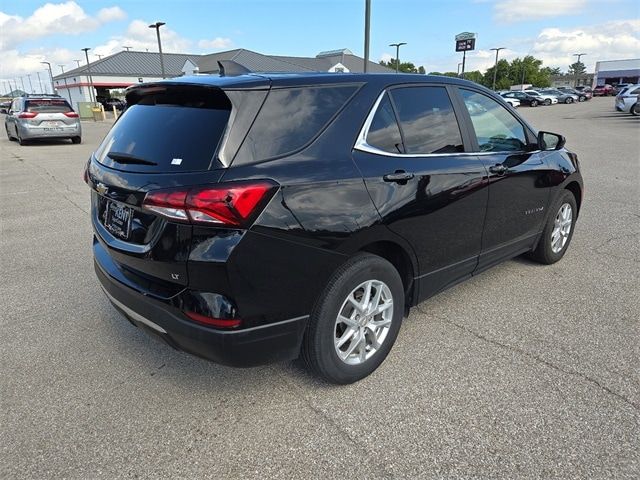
[(362, 145)]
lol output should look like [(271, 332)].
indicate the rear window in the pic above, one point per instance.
[(290, 118), (173, 130), (47, 106)]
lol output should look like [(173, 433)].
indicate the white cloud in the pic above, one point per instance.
[(387, 57), (217, 43), (51, 19), (609, 41), (111, 14), (509, 11)]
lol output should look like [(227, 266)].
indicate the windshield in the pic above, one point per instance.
[(47, 105)]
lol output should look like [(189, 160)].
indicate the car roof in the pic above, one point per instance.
[(277, 79)]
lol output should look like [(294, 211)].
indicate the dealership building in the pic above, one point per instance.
[(613, 72), (126, 68)]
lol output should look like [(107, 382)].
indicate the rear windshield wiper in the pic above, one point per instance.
[(128, 158)]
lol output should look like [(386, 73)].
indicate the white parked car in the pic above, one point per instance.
[(548, 99), (628, 100), (514, 102)]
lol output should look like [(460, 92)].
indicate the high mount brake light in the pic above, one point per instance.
[(234, 204)]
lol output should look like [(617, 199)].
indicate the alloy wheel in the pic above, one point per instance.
[(561, 228), (363, 322)]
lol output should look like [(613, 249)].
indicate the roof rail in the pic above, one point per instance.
[(229, 68)]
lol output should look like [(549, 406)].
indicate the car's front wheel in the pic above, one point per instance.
[(547, 102), (76, 140), (558, 230), (569, 100), (635, 109), (534, 103), (355, 321)]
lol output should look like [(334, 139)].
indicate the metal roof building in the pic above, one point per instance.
[(127, 68)]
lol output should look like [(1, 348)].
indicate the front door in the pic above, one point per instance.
[(424, 185), (518, 179)]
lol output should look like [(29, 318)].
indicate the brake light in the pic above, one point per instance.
[(71, 114), (27, 115), (234, 204), (213, 322)]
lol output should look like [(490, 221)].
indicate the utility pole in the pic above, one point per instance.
[(157, 26), (495, 68), (397, 45), (91, 92), (65, 84), (367, 30), (575, 72), (53, 88)]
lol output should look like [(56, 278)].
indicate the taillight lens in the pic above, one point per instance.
[(213, 322), (71, 114), (27, 115), (234, 204)]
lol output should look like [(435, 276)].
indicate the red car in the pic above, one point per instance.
[(603, 91)]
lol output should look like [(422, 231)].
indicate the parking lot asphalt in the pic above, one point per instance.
[(525, 371)]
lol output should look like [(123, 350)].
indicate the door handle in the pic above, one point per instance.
[(398, 176), (498, 168)]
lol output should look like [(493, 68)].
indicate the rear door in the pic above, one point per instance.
[(518, 178), (425, 186), (168, 138)]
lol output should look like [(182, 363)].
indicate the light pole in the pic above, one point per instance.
[(40, 82), (65, 83), (53, 88), (495, 68), (77, 63), (367, 30), (459, 65), (397, 45), (157, 26), (127, 48), (91, 93), (575, 72), (30, 83), (99, 56), (22, 82)]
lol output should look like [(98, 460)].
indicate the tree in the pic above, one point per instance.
[(445, 74), (405, 67), (421, 69), (474, 76), (555, 71), (502, 78), (577, 68), (528, 70)]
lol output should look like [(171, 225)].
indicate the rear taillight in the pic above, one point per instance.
[(213, 322), (27, 115), (71, 114), (234, 204)]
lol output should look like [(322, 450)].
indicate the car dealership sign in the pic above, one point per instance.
[(465, 41)]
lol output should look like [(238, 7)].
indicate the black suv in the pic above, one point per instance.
[(254, 218)]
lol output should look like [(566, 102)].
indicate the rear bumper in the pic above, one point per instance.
[(238, 348), (28, 132)]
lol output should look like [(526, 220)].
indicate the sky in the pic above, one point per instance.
[(32, 31)]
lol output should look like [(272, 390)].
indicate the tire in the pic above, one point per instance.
[(320, 345), (635, 109), (6, 128), (568, 100), (21, 140), (76, 140), (547, 102), (546, 252), (581, 99), (534, 103)]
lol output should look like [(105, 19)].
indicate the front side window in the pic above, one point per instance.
[(496, 129), (384, 133), (427, 120)]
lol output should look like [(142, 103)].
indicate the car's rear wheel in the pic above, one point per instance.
[(76, 140), (547, 102), (635, 109), (6, 128), (558, 230), (569, 100), (355, 321), (582, 99), (534, 103), (21, 140)]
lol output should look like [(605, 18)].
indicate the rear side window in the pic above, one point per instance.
[(427, 120), (292, 117), (384, 133), (173, 130), (496, 129), (47, 106)]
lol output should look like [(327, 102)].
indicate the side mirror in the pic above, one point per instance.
[(550, 141)]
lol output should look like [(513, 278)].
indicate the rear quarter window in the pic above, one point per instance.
[(291, 118)]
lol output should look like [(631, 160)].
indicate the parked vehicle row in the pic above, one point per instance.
[(546, 96), (627, 100)]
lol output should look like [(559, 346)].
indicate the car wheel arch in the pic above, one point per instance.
[(576, 190)]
